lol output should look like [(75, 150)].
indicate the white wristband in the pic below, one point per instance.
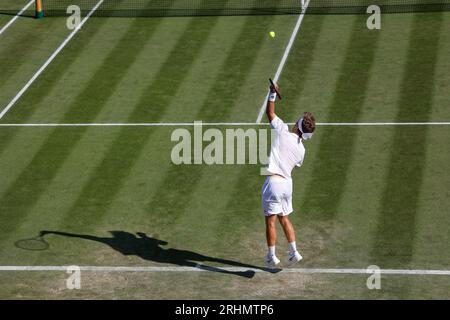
[(272, 96)]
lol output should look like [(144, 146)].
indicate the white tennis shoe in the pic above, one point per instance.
[(294, 257), (272, 260)]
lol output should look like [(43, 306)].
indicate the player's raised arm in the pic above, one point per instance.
[(270, 109)]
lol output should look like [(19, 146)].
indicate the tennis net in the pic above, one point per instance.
[(161, 8)]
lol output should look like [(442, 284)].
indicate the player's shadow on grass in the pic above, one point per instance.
[(150, 249)]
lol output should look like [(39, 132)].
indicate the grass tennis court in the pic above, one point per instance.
[(366, 195)]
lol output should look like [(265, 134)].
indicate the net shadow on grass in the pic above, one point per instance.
[(151, 249), (23, 15)]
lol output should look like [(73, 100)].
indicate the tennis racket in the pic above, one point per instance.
[(273, 84)]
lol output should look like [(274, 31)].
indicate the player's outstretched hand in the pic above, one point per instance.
[(274, 88)]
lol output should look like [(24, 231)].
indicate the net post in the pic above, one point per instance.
[(39, 9)]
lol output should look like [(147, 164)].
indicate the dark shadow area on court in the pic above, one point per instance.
[(23, 15), (151, 249)]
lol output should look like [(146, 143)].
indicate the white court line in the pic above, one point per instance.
[(204, 268), (218, 124), (285, 56), (52, 57), (10, 22)]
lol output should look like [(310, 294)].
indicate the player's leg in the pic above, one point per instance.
[(286, 203), (287, 228), (271, 230), (271, 207), (271, 237), (294, 255)]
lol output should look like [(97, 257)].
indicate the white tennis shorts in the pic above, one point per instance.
[(277, 196)]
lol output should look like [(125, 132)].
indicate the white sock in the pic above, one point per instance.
[(272, 251), (292, 246)]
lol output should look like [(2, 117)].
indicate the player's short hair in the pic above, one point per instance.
[(309, 123)]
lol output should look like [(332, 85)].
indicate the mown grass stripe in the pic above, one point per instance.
[(234, 70), (296, 73), (442, 76), (242, 213), (26, 42), (396, 230), (386, 75), (325, 191), (432, 235)]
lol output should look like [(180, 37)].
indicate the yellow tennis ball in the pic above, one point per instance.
[(272, 34)]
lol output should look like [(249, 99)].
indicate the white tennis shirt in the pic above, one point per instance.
[(287, 150)]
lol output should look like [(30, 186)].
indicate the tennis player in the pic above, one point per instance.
[(286, 153)]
